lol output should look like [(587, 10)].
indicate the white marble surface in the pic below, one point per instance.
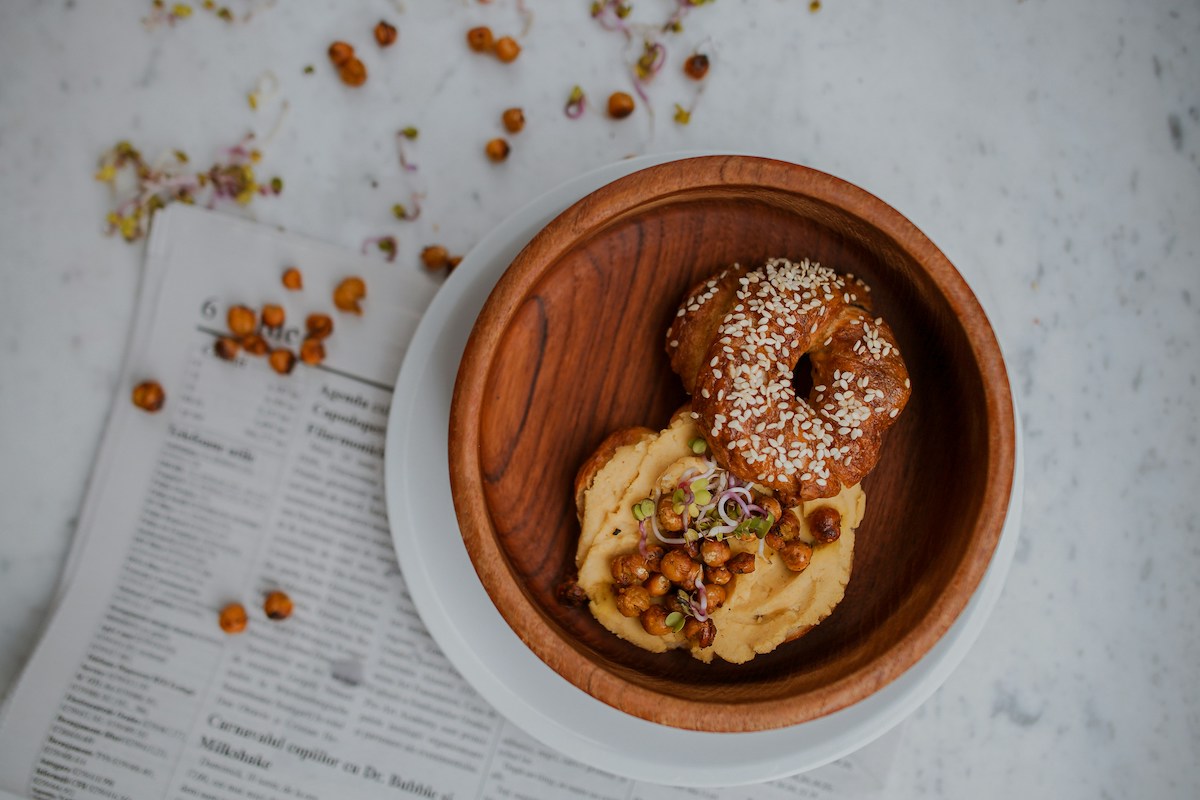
[(1051, 149)]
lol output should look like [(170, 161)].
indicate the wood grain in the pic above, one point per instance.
[(569, 348)]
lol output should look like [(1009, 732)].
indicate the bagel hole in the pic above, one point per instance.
[(802, 379)]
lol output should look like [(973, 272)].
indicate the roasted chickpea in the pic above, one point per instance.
[(696, 67), (632, 601), (232, 618), (282, 361), (825, 524), (772, 507), (714, 553), (679, 568), (774, 541), (292, 280), (255, 345), (513, 119), (385, 33), (435, 257), (277, 605), (717, 576), (654, 621), (716, 595), (788, 526), (507, 49), (319, 326), (741, 563), (241, 320), (340, 53), (702, 633), (672, 603), (312, 351), (570, 593), (620, 105), (654, 555), (796, 555), (480, 39), (628, 569), (497, 149), (348, 293), (692, 548), (657, 585), (226, 347), (353, 72), (668, 520), (149, 396), (273, 316)]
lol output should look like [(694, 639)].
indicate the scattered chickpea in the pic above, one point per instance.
[(348, 293), (232, 618), (714, 553), (788, 526), (513, 119), (774, 541), (571, 594), (628, 569), (293, 281), (654, 556), (667, 518), (825, 524), (671, 602), (702, 633), (226, 347), (319, 326), (480, 39), (796, 555), (241, 320), (692, 549), (716, 595), (435, 257), (741, 564), (654, 621), (273, 316), (717, 576), (679, 568), (282, 361), (149, 396), (632, 601), (312, 351), (277, 605), (340, 53), (385, 34), (772, 507), (507, 49), (353, 72), (696, 67), (657, 585), (255, 345), (620, 105), (497, 149)]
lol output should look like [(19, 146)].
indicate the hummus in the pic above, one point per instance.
[(764, 608)]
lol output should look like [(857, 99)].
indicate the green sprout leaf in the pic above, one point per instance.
[(675, 621)]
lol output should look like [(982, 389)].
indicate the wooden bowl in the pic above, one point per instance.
[(570, 347)]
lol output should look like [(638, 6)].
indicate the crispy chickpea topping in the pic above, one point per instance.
[(277, 605), (255, 345), (679, 567), (435, 257), (292, 280), (714, 553), (668, 517), (826, 524), (385, 33), (319, 326), (570, 593), (232, 618), (149, 396), (348, 293), (480, 39), (353, 72), (312, 351), (632, 601), (654, 556), (788, 526), (507, 49), (513, 119), (696, 67), (716, 595), (273, 316), (741, 564), (628, 569), (772, 507), (620, 105), (226, 347), (497, 149), (657, 585), (654, 621), (282, 361), (717, 576), (702, 633), (340, 53), (241, 320), (796, 555)]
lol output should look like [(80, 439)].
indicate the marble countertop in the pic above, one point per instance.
[(1051, 149)]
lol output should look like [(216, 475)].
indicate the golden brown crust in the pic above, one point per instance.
[(602, 455), (736, 351)]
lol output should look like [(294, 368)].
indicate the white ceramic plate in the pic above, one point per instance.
[(479, 643)]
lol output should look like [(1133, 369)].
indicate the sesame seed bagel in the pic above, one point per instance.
[(735, 343)]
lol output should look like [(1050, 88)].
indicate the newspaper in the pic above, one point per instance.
[(246, 482)]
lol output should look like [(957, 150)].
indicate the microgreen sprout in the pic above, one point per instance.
[(576, 103), (675, 621)]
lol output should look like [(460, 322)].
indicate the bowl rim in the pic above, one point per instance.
[(533, 626)]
